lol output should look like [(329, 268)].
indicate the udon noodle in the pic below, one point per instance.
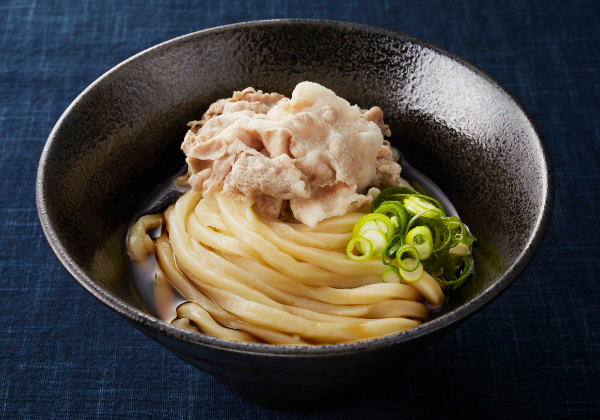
[(250, 278)]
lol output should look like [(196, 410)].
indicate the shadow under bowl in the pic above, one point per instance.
[(120, 139)]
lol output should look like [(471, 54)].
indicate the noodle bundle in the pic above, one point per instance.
[(250, 277)]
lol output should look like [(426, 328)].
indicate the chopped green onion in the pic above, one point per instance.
[(371, 224), (384, 227), (383, 195), (408, 264), (468, 238), (400, 194), (457, 228), (416, 205), (391, 274), (365, 245), (398, 211), (456, 223), (377, 239), (420, 237), (469, 264), (374, 221), (391, 248), (414, 275), (439, 225), (436, 261), (429, 219), (413, 231)]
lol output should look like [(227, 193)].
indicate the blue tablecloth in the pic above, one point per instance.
[(534, 352)]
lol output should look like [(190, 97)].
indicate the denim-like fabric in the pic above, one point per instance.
[(532, 353)]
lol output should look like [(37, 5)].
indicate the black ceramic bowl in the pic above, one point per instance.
[(120, 139)]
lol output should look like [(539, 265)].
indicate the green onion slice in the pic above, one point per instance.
[(416, 205), (468, 238), (365, 244), (377, 239), (374, 221), (421, 238), (402, 193), (440, 225), (414, 275), (391, 274), (408, 264), (429, 220), (383, 195), (469, 264), (457, 229), (390, 249), (397, 210), (432, 263)]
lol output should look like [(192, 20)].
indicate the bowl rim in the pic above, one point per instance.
[(144, 321)]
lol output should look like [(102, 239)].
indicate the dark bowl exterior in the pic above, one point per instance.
[(120, 139)]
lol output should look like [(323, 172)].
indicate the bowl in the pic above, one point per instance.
[(121, 138)]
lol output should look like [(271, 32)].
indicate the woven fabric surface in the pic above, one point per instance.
[(534, 352)]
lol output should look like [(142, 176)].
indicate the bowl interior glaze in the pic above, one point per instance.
[(120, 139)]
